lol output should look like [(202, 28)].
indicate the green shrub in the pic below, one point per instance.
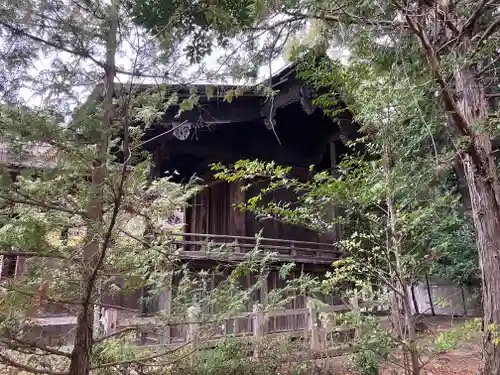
[(234, 357), (366, 362), (373, 346), (450, 339)]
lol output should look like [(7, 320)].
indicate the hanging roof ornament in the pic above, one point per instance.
[(182, 131)]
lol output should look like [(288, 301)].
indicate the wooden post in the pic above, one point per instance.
[(293, 251), (165, 307), (463, 300), (312, 327), (237, 248), (20, 266), (258, 329), (237, 222), (193, 327), (109, 320), (357, 310), (414, 299)]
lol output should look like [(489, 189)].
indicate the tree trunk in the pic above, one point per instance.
[(410, 327), (402, 317), (483, 185), (486, 214), (93, 253), (80, 356)]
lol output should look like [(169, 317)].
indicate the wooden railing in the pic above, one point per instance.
[(200, 245), (314, 332)]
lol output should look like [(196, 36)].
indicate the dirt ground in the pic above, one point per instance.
[(463, 360)]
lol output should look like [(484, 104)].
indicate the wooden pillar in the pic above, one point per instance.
[(332, 211), (237, 224), (312, 327), (193, 327), (9, 266), (357, 311), (264, 292), (335, 212), (165, 308), (20, 266), (258, 330)]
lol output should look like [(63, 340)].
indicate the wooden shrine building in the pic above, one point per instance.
[(287, 129)]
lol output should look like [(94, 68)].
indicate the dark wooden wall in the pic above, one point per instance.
[(212, 211), (272, 228)]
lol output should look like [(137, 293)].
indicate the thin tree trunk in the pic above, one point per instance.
[(429, 294), (463, 301), (414, 299), (482, 181), (401, 307), (410, 326), (93, 254)]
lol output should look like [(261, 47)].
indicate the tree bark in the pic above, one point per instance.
[(482, 181), (467, 111), (93, 252), (486, 214)]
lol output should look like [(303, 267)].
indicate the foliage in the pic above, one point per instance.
[(202, 25), (79, 207), (45, 214), (396, 197), (373, 344), (385, 49), (450, 339), (456, 256), (415, 68), (355, 193), (231, 356)]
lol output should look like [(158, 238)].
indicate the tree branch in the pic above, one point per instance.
[(488, 66), (14, 343), (434, 64), (488, 32), (18, 31), (62, 301), (49, 299), (135, 360), (114, 334), (33, 370), (49, 206), (33, 254), (469, 24), (356, 20)]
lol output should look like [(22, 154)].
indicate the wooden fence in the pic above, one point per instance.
[(319, 336), (316, 332)]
